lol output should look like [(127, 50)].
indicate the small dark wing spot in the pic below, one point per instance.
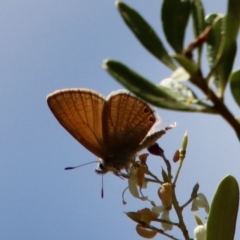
[(151, 119), (146, 110)]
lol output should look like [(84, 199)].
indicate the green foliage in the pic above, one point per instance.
[(157, 95), (175, 15), (218, 33), (186, 63), (145, 34), (219, 50), (235, 86), (199, 24), (223, 214)]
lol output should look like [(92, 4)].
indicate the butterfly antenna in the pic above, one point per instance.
[(71, 168), (102, 191)]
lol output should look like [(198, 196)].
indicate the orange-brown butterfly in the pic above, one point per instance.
[(114, 129)]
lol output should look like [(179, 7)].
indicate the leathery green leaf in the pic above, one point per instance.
[(198, 22), (234, 80), (175, 15), (214, 37), (145, 34), (186, 63), (225, 67), (224, 208), (232, 23), (198, 17), (217, 56), (156, 95), (228, 46)]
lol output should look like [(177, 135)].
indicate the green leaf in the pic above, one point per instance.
[(229, 28), (210, 18), (225, 67), (175, 14), (223, 214), (157, 95), (235, 85), (214, 38), (218, 51), (229, 46), (198, 17), (186, 63), (145, 34), (165, 176), (133, 81), (198, 22), (195, 191), (232, 23)]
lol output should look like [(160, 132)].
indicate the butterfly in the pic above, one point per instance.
[(114, 129)]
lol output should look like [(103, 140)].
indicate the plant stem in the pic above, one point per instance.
[(178, 210), (219, 105)]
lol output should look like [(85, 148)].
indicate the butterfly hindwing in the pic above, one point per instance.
[(126, 122)]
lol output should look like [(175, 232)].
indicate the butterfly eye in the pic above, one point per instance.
[(100, 169), (101, 166)]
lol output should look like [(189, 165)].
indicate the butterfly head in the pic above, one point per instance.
[(114, 163), (104, 166), (101, 168)]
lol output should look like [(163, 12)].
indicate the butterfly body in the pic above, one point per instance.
[(113, 129)]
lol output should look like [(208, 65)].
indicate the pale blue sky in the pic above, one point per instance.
[(49, 45)]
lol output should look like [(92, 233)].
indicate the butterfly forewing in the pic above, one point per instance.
[(126, 122), (80, 111)]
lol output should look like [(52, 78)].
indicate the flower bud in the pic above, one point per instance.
[(155, 150), (185, 141), (145, 233), (176, 156), (146, 215), (165, 194)]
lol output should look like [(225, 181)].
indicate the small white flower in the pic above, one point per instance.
[(200, 232), (158, 210), (200, 202), (164, 216), (180, 74), (133, 186)]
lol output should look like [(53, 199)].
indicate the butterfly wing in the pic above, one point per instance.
[(80, 111), (126, 122)]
